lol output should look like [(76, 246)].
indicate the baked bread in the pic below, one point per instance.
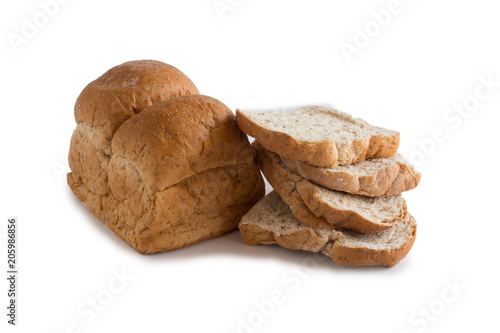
[(373, 177), (319, 136), (271, 221), (318, 207), (162, 170), (125, 90)]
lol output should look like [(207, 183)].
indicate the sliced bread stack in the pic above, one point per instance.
[(337, 186)]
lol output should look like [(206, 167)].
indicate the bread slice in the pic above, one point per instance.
[(374, 177), (318, 207), (318, 135), (271, 221)]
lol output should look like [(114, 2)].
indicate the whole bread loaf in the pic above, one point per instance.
[(162, 166)]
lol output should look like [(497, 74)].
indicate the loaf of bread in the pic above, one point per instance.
[(162, 166), (271, 221), (319, 136)]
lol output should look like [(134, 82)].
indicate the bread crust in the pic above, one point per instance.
[(126, 90), (324, 153), (338, 218), (352, 256), (284, 183), (395, 179), (181, 215), (304, 239), (303, 200), (336, 245), (184, 135), (359, 256)]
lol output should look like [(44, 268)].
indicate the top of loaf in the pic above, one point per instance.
[(125, 90), (179, 137)]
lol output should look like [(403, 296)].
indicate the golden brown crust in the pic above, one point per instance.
[(184, 135), (304, 239), (178, 216), (299, 194), (337, 218), (395, 179), (325, 153), (125, 90), (253, 235), (358, 256), (322, 153), (284, 183)]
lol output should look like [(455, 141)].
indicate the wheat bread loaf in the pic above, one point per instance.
[(318, 207), (318, 135), (125, 90), (161, 171), (373, 177), (271, 221)]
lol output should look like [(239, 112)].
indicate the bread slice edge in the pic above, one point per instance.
[(390, 180), (285, 183), (323, 153), (342, 246)]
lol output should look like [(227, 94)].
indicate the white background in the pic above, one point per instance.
[(259, 54)]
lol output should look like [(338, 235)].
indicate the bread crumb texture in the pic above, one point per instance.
[(319, 207), (271, 221), (373, 177), (319, 136)]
